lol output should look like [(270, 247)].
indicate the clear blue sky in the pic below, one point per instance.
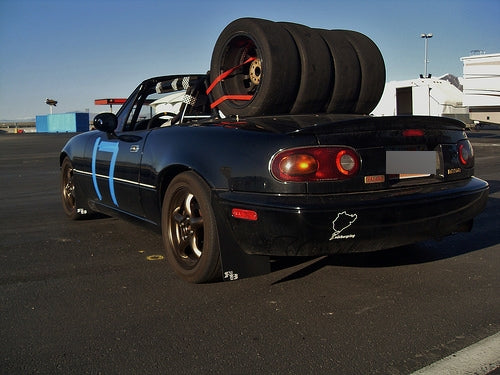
[(77, 51)]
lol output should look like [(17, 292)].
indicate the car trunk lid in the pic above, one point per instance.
[(395, 152)]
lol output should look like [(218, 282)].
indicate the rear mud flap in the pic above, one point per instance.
[(236, 264)]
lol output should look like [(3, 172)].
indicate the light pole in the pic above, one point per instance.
[(426, 61), (51, 103)]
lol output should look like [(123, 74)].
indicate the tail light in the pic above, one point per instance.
[(413, 133), (465, 153), (306, 164)]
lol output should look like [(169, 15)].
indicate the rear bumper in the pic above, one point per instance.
[(311, 225)]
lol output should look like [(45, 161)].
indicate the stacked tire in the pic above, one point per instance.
[(260, 67)]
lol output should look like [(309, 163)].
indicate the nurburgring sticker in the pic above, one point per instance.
[(340, 224)]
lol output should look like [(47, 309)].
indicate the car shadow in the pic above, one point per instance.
[(483, 235)]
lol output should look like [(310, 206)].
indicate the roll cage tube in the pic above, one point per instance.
[(195, 96), (194, 84)]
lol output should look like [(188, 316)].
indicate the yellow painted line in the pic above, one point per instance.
[(155, 257)]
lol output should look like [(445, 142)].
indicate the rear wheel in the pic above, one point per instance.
[(68, 191), (189, 229), (261, 66)]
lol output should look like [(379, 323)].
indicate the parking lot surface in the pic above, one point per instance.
[(96, 296)]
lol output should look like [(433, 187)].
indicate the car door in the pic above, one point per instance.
[(116, 157), (115, 165)]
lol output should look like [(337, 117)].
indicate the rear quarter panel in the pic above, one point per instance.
[(228, 159)]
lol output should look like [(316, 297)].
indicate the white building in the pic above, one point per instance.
[(422, 96), (482, 87)]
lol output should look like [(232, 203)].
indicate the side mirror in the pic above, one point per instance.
[(106, 122)]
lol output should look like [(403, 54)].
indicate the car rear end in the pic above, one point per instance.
[(368, 184)]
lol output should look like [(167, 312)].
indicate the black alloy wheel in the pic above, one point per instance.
[(68, 196), (189, 229)]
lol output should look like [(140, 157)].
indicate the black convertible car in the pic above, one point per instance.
[(272, 154), (228, 193)]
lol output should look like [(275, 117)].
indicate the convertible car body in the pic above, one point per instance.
[(228, 193)]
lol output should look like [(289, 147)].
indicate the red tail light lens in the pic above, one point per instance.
[(465, 153), (413, 133), (321, 163)]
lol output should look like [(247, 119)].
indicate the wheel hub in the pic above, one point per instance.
[(69, 188), (255, 71), (185, 230)]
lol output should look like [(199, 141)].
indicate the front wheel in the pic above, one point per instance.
[(189, 229)]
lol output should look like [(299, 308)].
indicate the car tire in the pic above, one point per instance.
[(372, 70), (189, 229), (68, 191), (316, 76), (270, 82), (347, 72)]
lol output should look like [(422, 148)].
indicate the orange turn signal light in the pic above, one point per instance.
[(298, 165)]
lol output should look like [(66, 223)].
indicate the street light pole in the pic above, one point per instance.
[(426, 60)]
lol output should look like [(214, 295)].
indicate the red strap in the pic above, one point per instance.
[(230, 97), (226, 73)]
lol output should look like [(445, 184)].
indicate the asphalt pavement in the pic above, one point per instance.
[(96, 296)]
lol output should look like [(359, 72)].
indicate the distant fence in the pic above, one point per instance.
[(18, 127)]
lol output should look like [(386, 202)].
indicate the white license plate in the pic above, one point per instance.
[(409, 164)]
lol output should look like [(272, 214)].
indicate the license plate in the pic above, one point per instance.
[(410, 164)]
